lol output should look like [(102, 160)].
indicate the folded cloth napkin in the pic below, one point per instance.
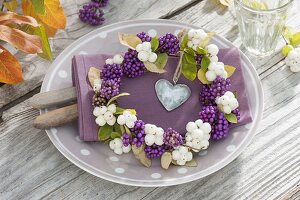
[(143, 97)]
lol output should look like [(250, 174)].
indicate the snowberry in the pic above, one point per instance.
[(293, 60), (154, 135), (146, 46), (197, 138), (227, 102), (117, 59), (97, 85), (195, 38), (152, 57), (127, 118), (105, 115), (143, 56), (117, 146), (216, 69), (182, 155), (145, 53), (212, 49)]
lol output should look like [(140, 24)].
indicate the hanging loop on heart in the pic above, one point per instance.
[(178, 68), (171, 96)]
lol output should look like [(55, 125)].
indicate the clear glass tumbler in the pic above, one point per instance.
[(261, 23)]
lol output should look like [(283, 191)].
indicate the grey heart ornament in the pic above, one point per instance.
[(171, 96)]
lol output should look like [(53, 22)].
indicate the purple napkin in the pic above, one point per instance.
[(143, 97)]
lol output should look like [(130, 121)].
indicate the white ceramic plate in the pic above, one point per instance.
[(99, 160)]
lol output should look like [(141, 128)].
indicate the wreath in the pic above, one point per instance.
[(121, 128)]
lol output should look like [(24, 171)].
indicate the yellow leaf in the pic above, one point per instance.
[(53, 19), (226, 2), (93, 75), (229, 69), (202, 77), (132, 111), (129, 40), (10, 68), (11, 5), (207, 39), (153, 68)]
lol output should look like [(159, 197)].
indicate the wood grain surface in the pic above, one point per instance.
[(269, 168)]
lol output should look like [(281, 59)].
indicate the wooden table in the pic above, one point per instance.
[(269, 168)]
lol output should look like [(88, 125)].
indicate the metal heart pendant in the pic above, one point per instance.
[(171, 96)]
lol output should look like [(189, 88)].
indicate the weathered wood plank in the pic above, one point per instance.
[(34, 68)]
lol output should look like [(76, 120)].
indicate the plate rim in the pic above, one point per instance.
[(158, 183)]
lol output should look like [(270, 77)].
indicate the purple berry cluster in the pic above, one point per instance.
[(132, 66), (110, 88), (125, 139), (169, 44), (154, 151), (144, 37), (138, 132), (172, 138), (217, 120), (92, 13), (112, 72), (218, 88), (198, 58)]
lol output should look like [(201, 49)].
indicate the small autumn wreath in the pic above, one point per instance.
[(121, 128)]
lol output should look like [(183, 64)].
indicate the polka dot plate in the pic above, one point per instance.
[(97, 159)]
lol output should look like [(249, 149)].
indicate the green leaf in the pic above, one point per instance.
[(114, 135), (235, 95), (107, 141), (205, 63), (39, 6), (119, 111), (201, 51), (231, 118), (189, 70), (201, 76), (184, 42), (230, 70), (116, 97), (190, 58), (117, 128), (141, 155), (105, 132), (189, 51), (191, 163), (127, 130), (41, 32), (161, 61), (295, 39), (154, 43)]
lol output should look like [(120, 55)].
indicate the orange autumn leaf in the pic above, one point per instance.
[(21, 40), (10, 68), (53, 19), (11, 17)]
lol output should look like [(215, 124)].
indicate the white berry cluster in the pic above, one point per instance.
[(127, 118), (117, 59), (105, 115), (212, 51), (154, 135), (117, 146), (198, 134), (145, 52), (97, 85), (227, 102), (216, 69), (293, 60), (182, 155), (195, 38)]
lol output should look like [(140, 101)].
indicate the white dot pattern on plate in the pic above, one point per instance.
[(156, 175), (230, 148), (62, 74), (53, 130), (119, 170), (103, 35), (85, 152), (83, 53), (152, 33), (182, 170), (203, 153), (235, 134), (248, 126), (78, 139), (114, 158), (176, 32)]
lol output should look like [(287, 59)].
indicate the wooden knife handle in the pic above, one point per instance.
[(53, 98), (56, 117)]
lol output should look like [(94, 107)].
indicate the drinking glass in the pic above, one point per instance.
[(261, 23)]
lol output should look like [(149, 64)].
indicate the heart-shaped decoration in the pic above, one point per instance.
[(171, 96)]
